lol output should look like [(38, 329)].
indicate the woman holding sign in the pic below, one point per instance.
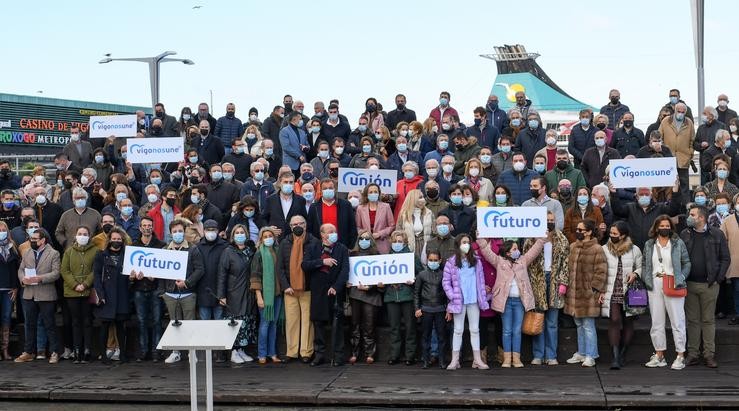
[(112, 290), (265, 283), (366, 302)]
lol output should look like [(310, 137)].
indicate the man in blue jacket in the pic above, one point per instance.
[(496, 117), (531, 139), (487, 135), (228, 127), (582, 136), (294, 143), (614, 109), (518, 179)]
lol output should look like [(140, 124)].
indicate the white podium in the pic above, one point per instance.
[(200, 335)]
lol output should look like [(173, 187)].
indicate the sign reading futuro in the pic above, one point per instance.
[(117, 126), (643, 172), (155, 262), (385, 269), (357, 178), (506, 222), (155, 150)]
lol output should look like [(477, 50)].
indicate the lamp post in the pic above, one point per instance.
[(153, 63)]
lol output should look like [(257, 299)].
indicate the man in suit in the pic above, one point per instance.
[(294, 143), (169, 123), (282, 206), (78, 152), (38, 272), (327, 265), (332, 210)]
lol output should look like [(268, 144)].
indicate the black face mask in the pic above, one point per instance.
[(432, 193), (107, 228), (170, 201), (615, 240), (34, 245), (550, 226), (156, 129), (562, 165), (580, 236), (204, 131), (565, 192), (534, 193), (160, 114), (401, 106), (665, 232), (601, 126), (116, 245), (459, 146), (628, 123), (298, 231), (614, 100), (288, 106), (194, 180), (334, 172), (67, 185)]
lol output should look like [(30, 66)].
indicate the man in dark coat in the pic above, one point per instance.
[(271, 128), (209, 147), (335, 211), (327, 266), (169, 123), (273, 210), (211, 247)]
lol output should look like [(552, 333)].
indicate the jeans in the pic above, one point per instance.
[(545, 344), (433, 322), (512, 320), (5, 308), (267, 341), (149, 315), (210, 313), (43, 310), (735, 283), (41, 338), (587, 339)]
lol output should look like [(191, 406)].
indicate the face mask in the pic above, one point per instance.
[(156, 180), (228, 176), (333, 172), (565, 192), (679, 116), (298, 231), (550, 226), (722, 174), (186, 117), (34, 245), (339, 151), (364, 243), (194, 159), (30, 231), (516, 122), (595, 202), (373, 197), (674, 100), (74, 137), (99, 159), (323, 154), (519, 166), (249, 213), (402, 147), (664, 232), (240, 238), (84, 180), (505, 149), (582, 199), (533, 123), (200, 218), (456, 199), (60, 183), (301, 123), (238, 150), (432, 172), (121, 196), (733, 128), (354, 202), (628, 123), (3, 235), (601, 126), (374, 167), (404, 133), (178, 237), (599, 142), (307, 176), (442, 229), (700, 200), (551, 141), (434, 265), (464, 248), (656, 146), (107, 228), (432, 193), (409, 175), (211, 235), (478, 122), (333, 238), (443, 144), (534, 193), (448, 168), (644, 200), (474, 172), (80, 203), (269, 152), (170, 201), (562, 164), (691, 222), (467, 201), (446, 126), (127, 211), (269, 241), (501, 198), (195, 199), (251, 136), (67, 185), (722, 209), (40, 199), (398, 247), (585, 122), (727, 144), (486, 158), (443, 101), (287, 188), (362, 128), (515, 254), (459, 146), (310, 196), (366, 149), (329, 194), (435, 129), (614, 100), (615, 240), (333, 117), (259, 175), (540, 168), (194, 180), (580, 236), (204, 131)]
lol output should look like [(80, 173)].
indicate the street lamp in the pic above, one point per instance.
[(153, 68)]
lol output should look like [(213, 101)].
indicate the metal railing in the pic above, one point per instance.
[(17, 160)]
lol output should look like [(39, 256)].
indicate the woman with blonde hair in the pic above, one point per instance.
[(266, 285), (601, 123), (416, 221), (474, 179), (194, 215), (253, 139), (385, 144)]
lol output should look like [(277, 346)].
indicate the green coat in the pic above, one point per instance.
[(575, 176), (400, 293), (77, 269)]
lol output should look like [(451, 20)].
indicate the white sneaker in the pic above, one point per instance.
[(109, 353), (173, 358), (536, 361), (244, 356), (656, 361), (678, 364), (576, 358), (552, 362), (116, 355), (67, 354), (588, 362), (236, 358)]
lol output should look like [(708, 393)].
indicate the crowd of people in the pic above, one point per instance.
[(256, 206)]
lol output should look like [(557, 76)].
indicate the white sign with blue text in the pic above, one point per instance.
[(357, 178), (643, 172), (155, 150), (515, 222), (382, 269), (117, 126), (155, 262)]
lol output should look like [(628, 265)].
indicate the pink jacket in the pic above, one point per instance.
[(453, 286), (384, 224), (508, 270)]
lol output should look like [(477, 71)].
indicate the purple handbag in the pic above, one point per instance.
[(636, 294)]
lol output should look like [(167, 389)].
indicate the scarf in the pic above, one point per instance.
[(297, 277), (5, 247), (268, 282), (474, 182), (620, 248)]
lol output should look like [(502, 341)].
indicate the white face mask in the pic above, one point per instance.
[(82, 240), (464, 248)]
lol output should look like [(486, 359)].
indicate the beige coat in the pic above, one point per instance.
[(679, 141), (47, 268), (730, 228)]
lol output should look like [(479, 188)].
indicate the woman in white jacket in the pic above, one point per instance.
[(624, 265), (416, 220)]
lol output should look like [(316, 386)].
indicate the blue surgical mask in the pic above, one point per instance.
[(217, 175), (127, 211), (486, 158), (501, 198), (582, 199), (600, 142), (269, 151), (700, 200), (443, 101), (249, 214), (178, 237), (722, 174), (364, 243), (287, 188), (539, 168), (402, 147), (228, 176), (310, 195), (397, 247), (121, 196), (674, 100), (644, 200), (533, 123), (434, 265), (505, 149), (30, 231), (301, 123), (456, 199), (99, 159), (584, 121), (329, 194), (80, 203), (269, 241), (722, 209), (516, 122), (3, 235), (679, 116), (240, 238), (443, 144), (442, 229), (317, 129), (259, 175), (727, 144), (194, 159), (373, 197), (409, 175), (362, 128), (156, 180), (333, 238), (124, 155), (515, 254), (195, 199), (366, 149)]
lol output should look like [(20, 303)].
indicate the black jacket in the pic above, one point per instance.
[(707, 133), (223, 195), (234, 271), (628, 142), (210, 151), (272, 212), (321, 304), (641, 220), (271, 130), (111, 285), (429, 293), (463, 218), (282, 265), (242, 165), (48, 216), (192, 277), (145, 284), (347, 227), (396, 116), (211, 253), (9, 269), (716, 251), (593, 168)]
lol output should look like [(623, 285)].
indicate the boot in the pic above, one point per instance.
[(484, 355), (499, 355), (77, 356), (616, 362), (5, 343), (516, 360), (454, 364), (506, 363), (622, 357), (477, 361)]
